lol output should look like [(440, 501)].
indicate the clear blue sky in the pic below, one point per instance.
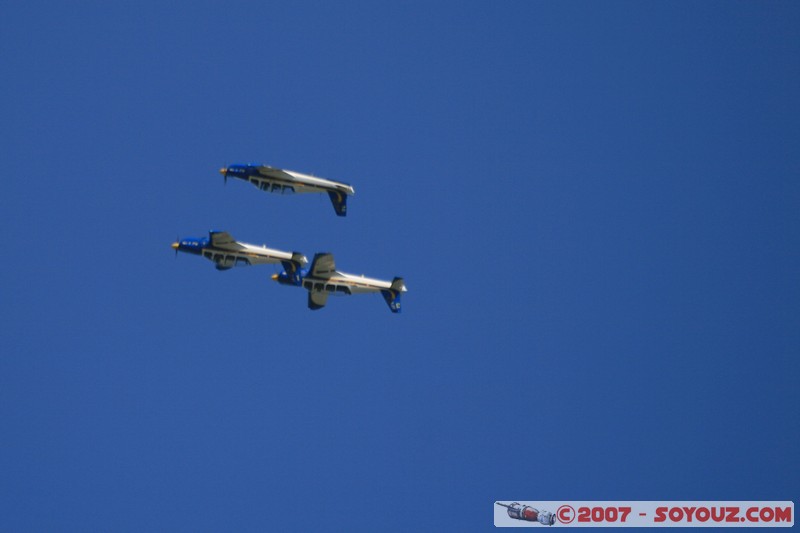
[(595, 206)]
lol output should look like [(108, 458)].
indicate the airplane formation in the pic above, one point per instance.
[(320, 279)]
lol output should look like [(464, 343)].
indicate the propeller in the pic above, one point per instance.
[(176, 245), (224, 172)]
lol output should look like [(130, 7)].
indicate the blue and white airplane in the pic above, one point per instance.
[(322, 279), (227, 253), (275, 180)]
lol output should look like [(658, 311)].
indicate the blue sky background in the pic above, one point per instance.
[(594, 205)]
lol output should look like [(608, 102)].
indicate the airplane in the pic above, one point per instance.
[(322, 279), (227, 253), (276, 180)]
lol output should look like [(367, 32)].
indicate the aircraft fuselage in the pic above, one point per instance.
[(341, 283), (333, 282), (232, 253), (279, 181)]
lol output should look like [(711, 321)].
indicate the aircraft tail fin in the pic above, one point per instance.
[(392, 294), (292, 266), (339, 201)]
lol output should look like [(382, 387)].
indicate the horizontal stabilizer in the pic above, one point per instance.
[(398, 285), (392, 294), (339, 201), (392, 299)]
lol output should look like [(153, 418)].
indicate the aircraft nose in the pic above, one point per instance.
[(274, 277), (175, 245)]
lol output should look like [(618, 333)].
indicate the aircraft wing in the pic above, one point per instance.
[(272, 172), (223, 239), (317, 300), (322, 266)]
